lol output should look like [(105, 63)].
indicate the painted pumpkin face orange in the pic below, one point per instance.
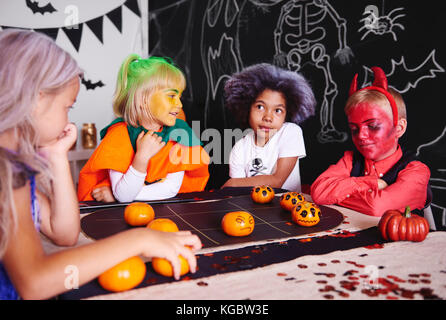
[(238, 223), (290, 199), (262, 194), (306, 214)]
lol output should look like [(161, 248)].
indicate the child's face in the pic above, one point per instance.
[(165, 104), (373, 132), (267, 115), (51, 112)]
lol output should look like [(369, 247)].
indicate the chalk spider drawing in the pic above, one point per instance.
[(379, 25), (300, 37)]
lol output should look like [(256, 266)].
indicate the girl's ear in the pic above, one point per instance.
[(401, 127)]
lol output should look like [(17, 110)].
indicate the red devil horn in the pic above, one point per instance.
[(353, 85), (380, 78)]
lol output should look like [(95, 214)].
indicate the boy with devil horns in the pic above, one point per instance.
[(379, 175)]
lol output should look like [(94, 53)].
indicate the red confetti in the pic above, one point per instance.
[(321, 264), (151, 281), (305, 240), (356, 264), (375, 246), (281, 274), (335, 261), (343, 234), (302, 266), (202, 284)]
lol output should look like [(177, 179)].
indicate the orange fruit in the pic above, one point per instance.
[(238, 223), (163, 224), (138, 214), (262, 194), (290, 199), (124, 276), (164, 267)]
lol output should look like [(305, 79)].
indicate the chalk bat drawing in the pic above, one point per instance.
[(403, 78), (34, 6), (433, 154), (220, 54), (381, 24), (299, 38), (89, 85)]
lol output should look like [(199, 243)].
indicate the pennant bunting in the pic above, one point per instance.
[(96, 26), (74, 34), (115, 17), (51, 32), (133, 6)]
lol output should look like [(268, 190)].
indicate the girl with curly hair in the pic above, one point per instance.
[(272, 102)]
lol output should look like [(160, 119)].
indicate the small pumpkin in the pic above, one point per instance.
[(164, 267), (290, 199), (138, 214), (399, 226), (163, 224), (238, 223), (306, 214), (123, 276), (262, 194)]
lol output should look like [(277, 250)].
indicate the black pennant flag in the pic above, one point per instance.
[(51, 32), (95, 26), (115, 16), (74, 35), (133, 6)]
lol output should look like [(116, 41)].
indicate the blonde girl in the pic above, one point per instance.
[(134, 158), (39, 83)]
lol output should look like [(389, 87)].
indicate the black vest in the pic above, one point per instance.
[(392, 174)]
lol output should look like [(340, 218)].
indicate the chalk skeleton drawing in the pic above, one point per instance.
[(381, 24), (299, 38)]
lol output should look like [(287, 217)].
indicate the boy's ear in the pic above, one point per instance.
[(401, 127)]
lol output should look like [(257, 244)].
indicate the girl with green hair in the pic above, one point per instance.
[(147, 153)]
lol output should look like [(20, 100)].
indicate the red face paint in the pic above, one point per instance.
[(372, 131)]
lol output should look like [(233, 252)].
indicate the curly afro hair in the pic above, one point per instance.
[(242, 89)]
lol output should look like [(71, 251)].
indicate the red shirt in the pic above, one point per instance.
[(335, 186)]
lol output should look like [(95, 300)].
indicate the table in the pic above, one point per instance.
[(351, 261)]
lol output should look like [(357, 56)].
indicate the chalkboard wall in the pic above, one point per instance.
[(327, 41)]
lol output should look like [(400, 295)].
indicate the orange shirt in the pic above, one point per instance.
[(336, 186), (116, 152)]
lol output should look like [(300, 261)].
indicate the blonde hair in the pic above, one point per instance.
[(378, 98), (137, 80), (30, 63)]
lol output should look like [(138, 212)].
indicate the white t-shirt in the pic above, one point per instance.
[(248, 160)]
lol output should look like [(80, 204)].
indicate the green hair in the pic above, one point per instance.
[(137, 80)]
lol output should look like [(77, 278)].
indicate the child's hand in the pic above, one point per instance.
[(381, 184), (62, 144), (169, 245), (147, 145), (103, 194)]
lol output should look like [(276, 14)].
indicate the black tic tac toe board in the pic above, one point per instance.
[(204, 220)]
